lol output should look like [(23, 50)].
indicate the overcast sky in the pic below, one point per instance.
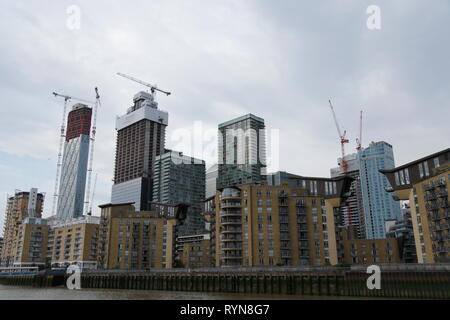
[(280, 60)]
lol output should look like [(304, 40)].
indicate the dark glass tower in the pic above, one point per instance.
[(181, 179)]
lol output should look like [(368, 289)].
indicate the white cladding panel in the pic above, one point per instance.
[(141, 114)]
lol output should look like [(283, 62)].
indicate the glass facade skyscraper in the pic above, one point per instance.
[(181, 179), (242, 151), (379, 206)]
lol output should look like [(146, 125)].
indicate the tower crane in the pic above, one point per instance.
[(359, 139), (343, 141), (153, 88), (342, 138), (89, 213), (91, 152), (61, 141)]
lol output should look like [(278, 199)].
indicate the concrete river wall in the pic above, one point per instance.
[(419, 283)]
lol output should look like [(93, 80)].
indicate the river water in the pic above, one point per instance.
[(62, 293)]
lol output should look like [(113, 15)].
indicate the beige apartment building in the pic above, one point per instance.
[(31, 243), (20, 206), (262, 225), (1, 248), (73, 242), (194, 251), (138, 240), (369, 251), (426, 183)]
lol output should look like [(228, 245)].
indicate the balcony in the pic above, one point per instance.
[(229, 237), (230, 246), (442, 204), (225, 205), (230, 193), (230, 221), (230, 229), (236, 213), (283, 194), (442, 194), (432, 206), (430, 196), (441, 249), (428, 186)]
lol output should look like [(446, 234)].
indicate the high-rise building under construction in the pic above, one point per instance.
[(140, 138), (72, 184)]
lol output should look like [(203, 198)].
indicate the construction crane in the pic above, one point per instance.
[(343, 139), (91, 152), (359, 139), (89, 213), (153, 88), (61, 141)]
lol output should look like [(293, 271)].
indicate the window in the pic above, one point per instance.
[(436, 162), (406, 171), (420, 170), (402, 178), (427, 171)]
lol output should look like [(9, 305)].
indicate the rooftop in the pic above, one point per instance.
[(242, 118), (409, 164)]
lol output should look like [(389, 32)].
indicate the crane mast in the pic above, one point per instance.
[(61, 142), (89, 213), (359, 140)]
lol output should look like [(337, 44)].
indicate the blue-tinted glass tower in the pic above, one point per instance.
[(379, 205)]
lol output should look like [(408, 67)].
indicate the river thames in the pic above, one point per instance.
[(61, 293)]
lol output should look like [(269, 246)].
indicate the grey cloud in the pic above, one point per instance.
[(280, 61)]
